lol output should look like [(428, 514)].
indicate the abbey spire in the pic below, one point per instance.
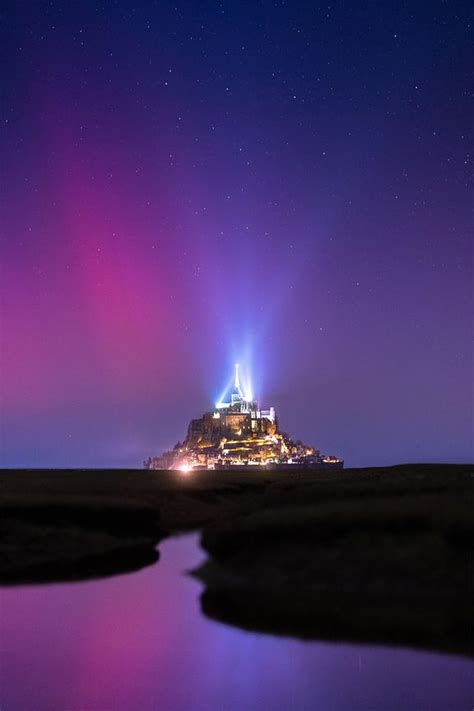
[(237, 394)]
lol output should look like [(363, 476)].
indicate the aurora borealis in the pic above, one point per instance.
[(189, 184)]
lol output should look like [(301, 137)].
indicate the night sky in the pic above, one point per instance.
[(187, 184)]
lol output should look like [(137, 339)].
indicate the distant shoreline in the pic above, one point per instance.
[(297, 470)]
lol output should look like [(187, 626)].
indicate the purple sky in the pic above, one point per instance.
[(188, 184)]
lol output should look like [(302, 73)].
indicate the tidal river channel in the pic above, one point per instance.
[(139, 642)]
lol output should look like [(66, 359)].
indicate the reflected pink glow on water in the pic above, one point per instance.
[(139, 641)]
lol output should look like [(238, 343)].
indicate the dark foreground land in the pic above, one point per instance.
[(375, 555)]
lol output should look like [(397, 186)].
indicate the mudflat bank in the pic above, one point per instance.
[(381, 555)]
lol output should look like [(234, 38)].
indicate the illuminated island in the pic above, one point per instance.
[(239, 434)]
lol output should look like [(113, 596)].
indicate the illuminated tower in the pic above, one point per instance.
[(237, 395)]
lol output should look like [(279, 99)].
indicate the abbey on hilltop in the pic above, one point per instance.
[(238, 433)]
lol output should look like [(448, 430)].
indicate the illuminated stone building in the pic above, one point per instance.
[(238, 433)]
